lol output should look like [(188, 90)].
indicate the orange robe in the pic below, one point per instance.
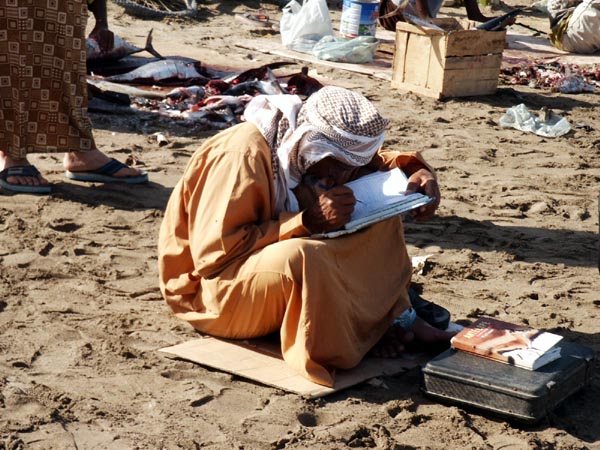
[(232, 268)]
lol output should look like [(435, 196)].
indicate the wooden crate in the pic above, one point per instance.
[(455, 62)]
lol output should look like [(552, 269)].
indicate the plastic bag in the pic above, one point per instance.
[(540, 5), (521, 118), (303, 25), (359, 50)]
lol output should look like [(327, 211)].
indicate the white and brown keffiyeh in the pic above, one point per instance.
[(333, 122)]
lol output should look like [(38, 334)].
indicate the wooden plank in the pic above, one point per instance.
[(439, 46), (399, 61), (475, 42), (472, 87), (415, 29), (473, 62), (437, 57), (446, 23), (417, 61), (450, 23), (469, 76), (386, 47), (380, 67)]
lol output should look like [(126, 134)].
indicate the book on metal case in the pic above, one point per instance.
[(379, 196), (508, 343)]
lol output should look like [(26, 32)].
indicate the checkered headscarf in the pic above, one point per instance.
[(333, 122)]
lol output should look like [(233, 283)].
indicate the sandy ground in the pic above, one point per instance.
[(81, 316)]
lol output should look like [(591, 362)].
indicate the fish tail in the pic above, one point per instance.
[(149, 48)]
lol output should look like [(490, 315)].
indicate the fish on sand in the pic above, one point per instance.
[(164, 72), (120, 49)]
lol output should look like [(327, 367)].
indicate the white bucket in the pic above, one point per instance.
[(359, 18)]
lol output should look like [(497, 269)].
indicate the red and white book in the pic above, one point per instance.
[(508, 343)]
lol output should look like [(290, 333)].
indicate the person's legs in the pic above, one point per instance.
[(85, 157), (333, 299), (44, 97), (583, 32), (19, 88)]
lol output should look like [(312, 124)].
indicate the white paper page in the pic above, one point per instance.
[(545, 341), (376, 191), (379, 195)]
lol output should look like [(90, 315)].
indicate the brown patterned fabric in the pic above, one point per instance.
[(43, 92)]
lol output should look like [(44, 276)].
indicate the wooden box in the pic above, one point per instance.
[(451, 61)]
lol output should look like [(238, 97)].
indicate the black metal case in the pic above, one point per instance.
[(526, 395)]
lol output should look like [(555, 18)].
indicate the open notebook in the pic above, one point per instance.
[(379, 196)]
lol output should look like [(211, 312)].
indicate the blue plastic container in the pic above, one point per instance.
[(359, 18)]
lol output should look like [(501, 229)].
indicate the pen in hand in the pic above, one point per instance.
[(326, 188)]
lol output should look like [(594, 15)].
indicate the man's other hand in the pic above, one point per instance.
[(424, 182)]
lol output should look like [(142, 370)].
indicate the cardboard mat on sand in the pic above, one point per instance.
[(260, 360)]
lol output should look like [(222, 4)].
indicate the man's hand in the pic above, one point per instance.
[(331, 211), (474, 13), (424, 182), (104, 37), (101, 32)]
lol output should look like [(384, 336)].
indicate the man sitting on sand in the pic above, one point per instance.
[(236, 256), (575, 25)]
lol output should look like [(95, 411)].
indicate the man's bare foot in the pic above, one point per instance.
[(427, 334), (393, 343), (7, 162), (396, 340), (92, 160)]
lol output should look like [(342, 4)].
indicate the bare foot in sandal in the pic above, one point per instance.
[(92, 160), (6, 162), (94, 166), (17, 175)]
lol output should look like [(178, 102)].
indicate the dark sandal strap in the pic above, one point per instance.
[(110, 168), (20, 171)]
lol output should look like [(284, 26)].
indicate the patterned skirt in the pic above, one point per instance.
[(43, 91)]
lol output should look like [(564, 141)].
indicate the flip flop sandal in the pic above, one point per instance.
[(255, 20), (105, 174), (435, 315), (22, 171)]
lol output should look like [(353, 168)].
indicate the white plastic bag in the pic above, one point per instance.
[(359, 50), (303, 25), (521, 118)]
